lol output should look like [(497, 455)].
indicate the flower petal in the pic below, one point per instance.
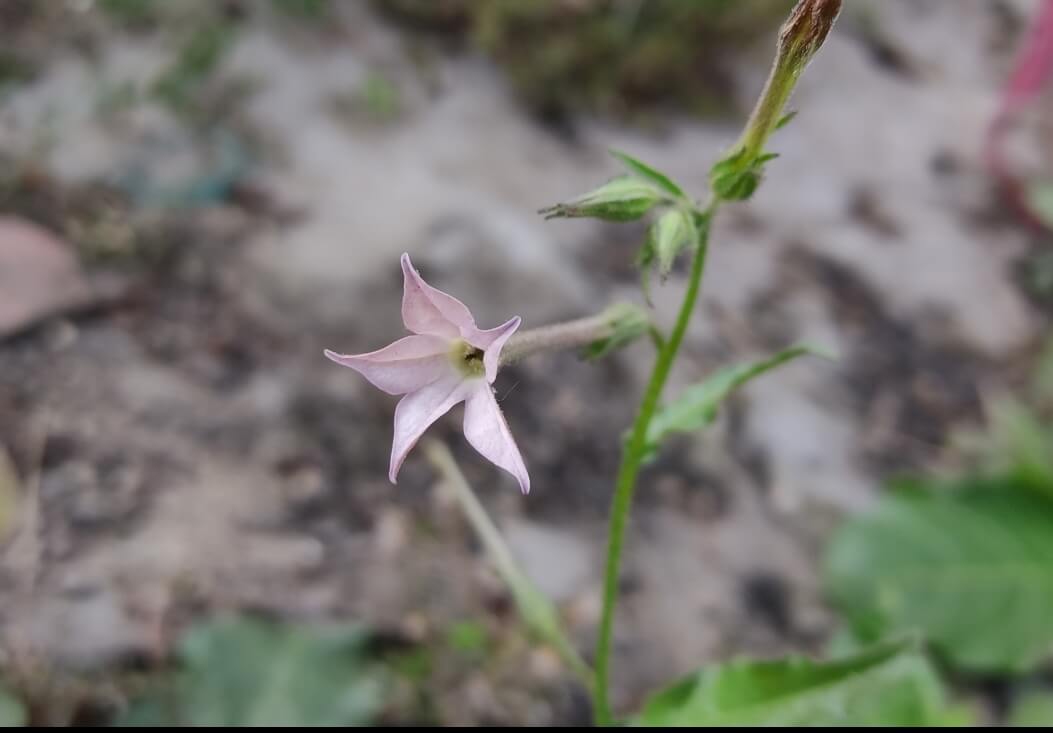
[(417, 411), (427, 310), (486, 429), (491, 342), (404, 366)]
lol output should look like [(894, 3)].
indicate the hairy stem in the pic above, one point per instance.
[(799, 40), (559, 336), (630, 467)]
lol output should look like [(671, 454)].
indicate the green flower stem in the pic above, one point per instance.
[(800, 38), (630, 466), (536, 609), (768, 110)]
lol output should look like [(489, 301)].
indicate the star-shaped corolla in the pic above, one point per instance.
[(447, 360)]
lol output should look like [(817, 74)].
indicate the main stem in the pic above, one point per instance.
[(630, 467)]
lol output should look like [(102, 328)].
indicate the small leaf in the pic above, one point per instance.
[(1021, 447), (622, 199), (889, 685), (654, 176), (785, 119), (244, 672), (968, 566), (697, 408)]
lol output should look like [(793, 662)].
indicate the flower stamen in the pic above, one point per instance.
[(467, 359)]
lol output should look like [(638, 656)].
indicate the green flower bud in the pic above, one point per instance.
[(670, 235), (625, 198), (736, 176)]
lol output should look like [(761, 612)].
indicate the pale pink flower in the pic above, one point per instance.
[(447, 361)]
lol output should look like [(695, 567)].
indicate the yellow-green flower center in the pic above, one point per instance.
[(467, 359)]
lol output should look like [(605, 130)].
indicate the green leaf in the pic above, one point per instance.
[(12, 712), (970, 568), (785, 119), (1033, 710), (625, 198), (654, 176), (1022, 447), (891, 685), (245, 672), (670, 235), (697, 407)]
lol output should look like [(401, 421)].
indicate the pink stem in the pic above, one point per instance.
[(1032, 70)]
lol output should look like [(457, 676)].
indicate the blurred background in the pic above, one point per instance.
[(198, 197)]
